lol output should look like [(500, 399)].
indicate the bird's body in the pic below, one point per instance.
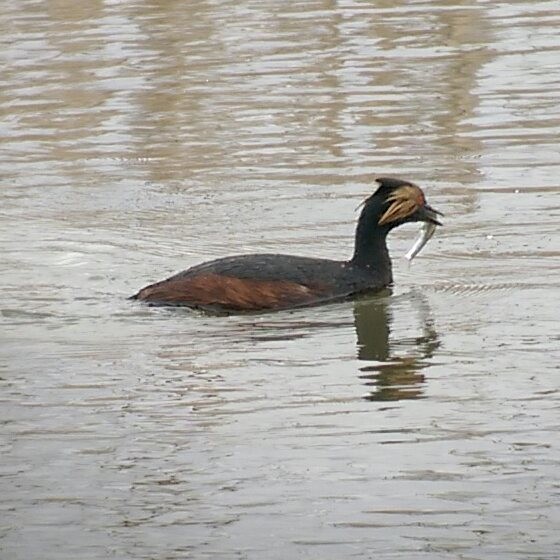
[(264, 281), (259, 282)]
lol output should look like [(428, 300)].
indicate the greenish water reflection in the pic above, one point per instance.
[(394, 369)]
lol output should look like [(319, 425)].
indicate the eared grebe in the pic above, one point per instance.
[(261, 282)]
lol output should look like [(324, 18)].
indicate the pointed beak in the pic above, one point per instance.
[(428, 214)]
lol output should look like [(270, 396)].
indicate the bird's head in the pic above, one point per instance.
[(401, 202)]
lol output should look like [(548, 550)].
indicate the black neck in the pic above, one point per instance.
[(370, 249)]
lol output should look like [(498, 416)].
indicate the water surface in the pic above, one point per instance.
[(141, 137)]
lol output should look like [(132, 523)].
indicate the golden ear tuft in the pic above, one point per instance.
[(404, 201)]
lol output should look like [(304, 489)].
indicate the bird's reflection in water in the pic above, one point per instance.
[(394, 368)]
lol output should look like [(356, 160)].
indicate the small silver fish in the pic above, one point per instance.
[(424, 236)]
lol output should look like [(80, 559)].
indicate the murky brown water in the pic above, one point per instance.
[(141, 137)]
